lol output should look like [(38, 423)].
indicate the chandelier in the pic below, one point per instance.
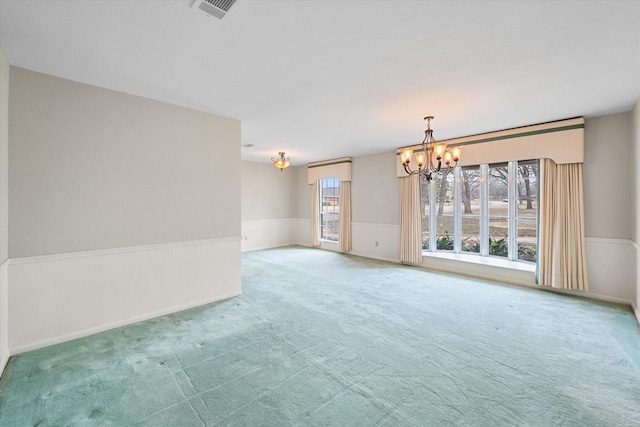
[(433, 153), (281, 161)]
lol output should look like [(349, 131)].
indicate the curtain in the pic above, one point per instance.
[(344, 233), (410, 220), (315, 214), (562, 251)]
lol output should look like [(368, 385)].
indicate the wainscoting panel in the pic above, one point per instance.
[(57, 298), (4, 317), (611, 269), (302, 231), (636, 281), (267, 233), (378, 241)]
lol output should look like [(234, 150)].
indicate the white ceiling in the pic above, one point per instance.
[(325, 79)]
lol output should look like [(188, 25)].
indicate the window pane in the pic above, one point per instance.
[(470, 192), (498, 210), (527, 189), (527, 239), (444, 219), (424, 194), (329, 208)]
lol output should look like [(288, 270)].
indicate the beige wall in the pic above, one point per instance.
[(94, 169), (375, 190), (266, 191), (302, 194), (607, 177), (4, 158)]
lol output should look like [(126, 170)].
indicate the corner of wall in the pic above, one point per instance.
[(4, 209), (635, 159)]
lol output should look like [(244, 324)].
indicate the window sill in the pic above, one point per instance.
[(330, 245), (483, 260)]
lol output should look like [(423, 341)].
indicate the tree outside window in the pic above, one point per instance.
[(490, 210)]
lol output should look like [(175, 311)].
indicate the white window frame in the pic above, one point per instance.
[(320, 206), (512, 239)]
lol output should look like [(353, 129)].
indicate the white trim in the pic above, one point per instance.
[(379, 258), (584, 294), (491, 261), (3, 364), (373, 224), (266, 220), (114, 251), (112, 325), (5, 352), (611, 241), (636, 312)]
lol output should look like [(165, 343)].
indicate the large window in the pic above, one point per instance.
[(329, 208), (487, 209)]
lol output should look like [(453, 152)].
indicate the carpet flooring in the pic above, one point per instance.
[(323, 339)]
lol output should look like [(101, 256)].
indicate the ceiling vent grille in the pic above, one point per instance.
[(217, 8)]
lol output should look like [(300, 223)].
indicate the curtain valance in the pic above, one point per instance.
[(561, 141), (336, 168)]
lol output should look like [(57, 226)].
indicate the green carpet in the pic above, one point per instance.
[(324, 339)]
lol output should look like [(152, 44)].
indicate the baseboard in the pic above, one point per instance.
[(636, 312), (4, 316), (3, 364), (379, 258), (118, 324)]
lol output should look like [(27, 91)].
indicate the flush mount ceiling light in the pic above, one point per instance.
[(281, 161), (433, 153)]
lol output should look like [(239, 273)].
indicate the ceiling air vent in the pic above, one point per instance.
[(217, 8)]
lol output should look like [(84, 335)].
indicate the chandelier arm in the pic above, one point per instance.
[(407, 169)]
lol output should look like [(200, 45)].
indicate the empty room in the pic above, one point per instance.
[(319, 213)]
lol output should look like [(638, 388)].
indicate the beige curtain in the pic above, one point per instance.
[(315, 214), (344, 233), (562, 252), (410, 220)]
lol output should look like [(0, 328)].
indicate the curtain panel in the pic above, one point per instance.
[(410, 220), (344, 233), (562, 257), (315, 214)]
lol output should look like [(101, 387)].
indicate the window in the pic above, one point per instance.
[(470, 216), (489, 209), (329, 208)]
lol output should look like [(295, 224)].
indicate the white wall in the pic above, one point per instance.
[(122, 208), (4, 209), (56, 298)]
